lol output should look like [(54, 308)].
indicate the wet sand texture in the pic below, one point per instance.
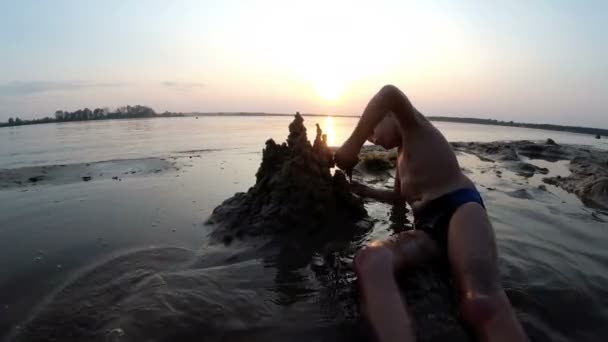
[(296, 194), (82, 172), (589, 168)]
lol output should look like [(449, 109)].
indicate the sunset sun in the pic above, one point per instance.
[(330, 89)]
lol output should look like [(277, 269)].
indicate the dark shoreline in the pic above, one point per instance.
[(546, 127), (598, 132), (477, 121)]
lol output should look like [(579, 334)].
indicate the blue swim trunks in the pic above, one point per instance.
[(434, 218)]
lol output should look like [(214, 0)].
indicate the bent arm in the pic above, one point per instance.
[(388, 99)]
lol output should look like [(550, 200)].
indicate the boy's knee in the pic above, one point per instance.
[(480, 307), (481, 292), (389, 89), (480, 277), (373, 259)]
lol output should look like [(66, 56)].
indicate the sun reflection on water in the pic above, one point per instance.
[(328, 129)]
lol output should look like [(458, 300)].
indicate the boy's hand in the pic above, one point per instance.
[(346, 157)]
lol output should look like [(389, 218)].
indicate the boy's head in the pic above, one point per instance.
[(387, 133)]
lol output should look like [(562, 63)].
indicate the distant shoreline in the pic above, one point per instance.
[(491, 122), (547, 127), (598, 132)]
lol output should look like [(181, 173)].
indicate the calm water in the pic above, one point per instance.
[(553, 256), (79, 142)]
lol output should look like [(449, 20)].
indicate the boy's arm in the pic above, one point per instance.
[(388, 100), (388, 196)]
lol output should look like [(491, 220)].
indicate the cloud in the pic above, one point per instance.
[(182, 85), (18, 88)]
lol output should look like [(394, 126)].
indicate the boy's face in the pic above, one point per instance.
[(387, 133)]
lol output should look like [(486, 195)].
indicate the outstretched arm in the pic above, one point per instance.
[(388, 196)]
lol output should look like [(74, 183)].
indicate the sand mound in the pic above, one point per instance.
[(294, 192)]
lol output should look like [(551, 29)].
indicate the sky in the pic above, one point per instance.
[(529, 60)]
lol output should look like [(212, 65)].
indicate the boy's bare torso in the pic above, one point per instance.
[(426, 165)]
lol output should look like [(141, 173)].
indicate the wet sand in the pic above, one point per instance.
[(588, 177), (551, 243), (25, 177)]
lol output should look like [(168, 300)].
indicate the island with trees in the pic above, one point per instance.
[(125, 112)]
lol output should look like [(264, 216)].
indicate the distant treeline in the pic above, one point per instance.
[(573, 129), (126, 112)]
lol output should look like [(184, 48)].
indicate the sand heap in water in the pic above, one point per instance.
[(294, 191)]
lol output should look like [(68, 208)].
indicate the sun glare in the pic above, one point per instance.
[(328, 129), (329, 90)]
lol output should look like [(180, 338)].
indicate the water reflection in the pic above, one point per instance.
[(89, 141), (553, 254), (328, 129), (299, 288)]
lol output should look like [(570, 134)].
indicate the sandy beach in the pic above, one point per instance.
[(138, 252), (168, 171)]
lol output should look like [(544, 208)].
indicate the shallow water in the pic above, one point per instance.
[(88, 141), (552, 254)]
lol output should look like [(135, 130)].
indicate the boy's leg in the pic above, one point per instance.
[(384, 306), (410, 248), (473, 259), (376, 266)]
